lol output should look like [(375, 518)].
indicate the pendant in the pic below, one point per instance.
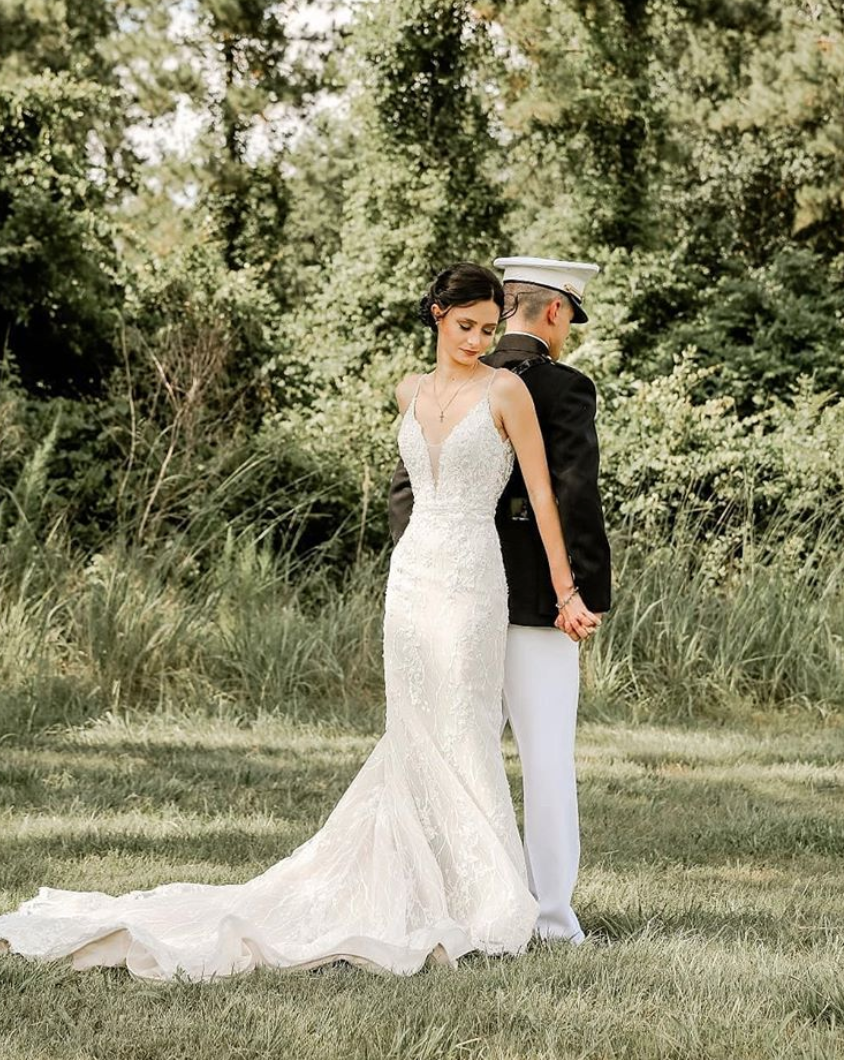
[(442, 417)]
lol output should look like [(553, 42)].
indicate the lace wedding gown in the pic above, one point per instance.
[(421, 856)]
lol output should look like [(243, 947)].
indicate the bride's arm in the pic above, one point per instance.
[(518, 417)]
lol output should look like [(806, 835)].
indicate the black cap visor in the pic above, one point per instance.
[(580, 316)]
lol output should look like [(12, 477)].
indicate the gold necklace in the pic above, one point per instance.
[(443, 408)]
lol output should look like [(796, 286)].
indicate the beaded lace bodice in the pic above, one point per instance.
[(467, 471), (421, 858)]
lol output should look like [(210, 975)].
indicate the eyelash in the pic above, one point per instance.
[(467, 327)]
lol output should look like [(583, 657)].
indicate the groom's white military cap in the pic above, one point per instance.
[(567, 277)]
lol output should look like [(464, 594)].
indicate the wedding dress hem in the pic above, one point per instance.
[(241, 950)]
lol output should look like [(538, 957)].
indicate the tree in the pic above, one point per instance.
[(56, 36), (424, 193), (586, 121), (62, 164), (687, 146), (246, 74)]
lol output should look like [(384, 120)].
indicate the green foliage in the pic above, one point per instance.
[(698, 632), (762, 329), (710, 132), (423, 194), (672, 456), (255, 632), (241, 63), (200, 353), (60, 275), (23, 507), (588, 121), (758, 329), (55, 36), (321, 161), (703, 626), (173, 454), (199, 462)]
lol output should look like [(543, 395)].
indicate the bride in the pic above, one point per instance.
[(421, 856)]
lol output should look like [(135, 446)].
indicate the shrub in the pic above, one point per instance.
[(670, 453)]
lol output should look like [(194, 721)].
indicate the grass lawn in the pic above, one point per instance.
[(711, 890)]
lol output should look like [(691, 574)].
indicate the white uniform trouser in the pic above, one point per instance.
[(541, 684)]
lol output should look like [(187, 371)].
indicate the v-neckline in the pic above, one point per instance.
[(436, 474), (441, 444)]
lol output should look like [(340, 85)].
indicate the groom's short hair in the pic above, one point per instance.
[(527, 300)]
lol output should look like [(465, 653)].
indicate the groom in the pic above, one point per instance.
[(541, 680)]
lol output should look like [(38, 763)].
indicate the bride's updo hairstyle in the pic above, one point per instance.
[(460, 284)]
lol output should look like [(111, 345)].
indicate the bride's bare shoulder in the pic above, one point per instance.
[(406, 389), (509, 387)]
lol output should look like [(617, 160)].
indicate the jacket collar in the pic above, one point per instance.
[(514, 348)]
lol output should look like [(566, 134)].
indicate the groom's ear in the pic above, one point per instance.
[(552, 310)]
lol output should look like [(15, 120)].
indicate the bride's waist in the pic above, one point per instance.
[(456, 548), (451, 512)]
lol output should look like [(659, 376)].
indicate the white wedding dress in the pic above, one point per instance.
[(421, 857)]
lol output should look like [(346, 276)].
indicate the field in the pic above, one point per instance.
[(217, 219), (710, 892)]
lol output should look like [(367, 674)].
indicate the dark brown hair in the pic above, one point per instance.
[(460, 284)]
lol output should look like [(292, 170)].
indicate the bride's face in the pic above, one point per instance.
[(465, 332)]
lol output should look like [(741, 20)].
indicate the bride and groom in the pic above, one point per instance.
[(421, 858)]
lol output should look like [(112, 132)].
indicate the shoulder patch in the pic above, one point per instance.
[(523, 366)]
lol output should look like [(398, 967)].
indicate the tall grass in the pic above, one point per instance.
[(259, 631), (696, 634), (245, 638), (200, 595), (231, 615)]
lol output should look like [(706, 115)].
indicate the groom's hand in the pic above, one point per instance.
[(577, 621)]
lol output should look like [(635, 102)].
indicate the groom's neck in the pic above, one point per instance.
[(515, 327)]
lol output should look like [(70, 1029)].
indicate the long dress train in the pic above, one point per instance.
[(421, 857)]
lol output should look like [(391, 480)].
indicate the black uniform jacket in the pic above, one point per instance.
[(565, 406)]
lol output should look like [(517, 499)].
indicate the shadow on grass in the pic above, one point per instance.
[(229, 855), (624, 924), (205, 780), (691, 815), (643, 814)]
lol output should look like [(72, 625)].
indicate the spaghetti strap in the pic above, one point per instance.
[(411, 405), (491, 381)]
